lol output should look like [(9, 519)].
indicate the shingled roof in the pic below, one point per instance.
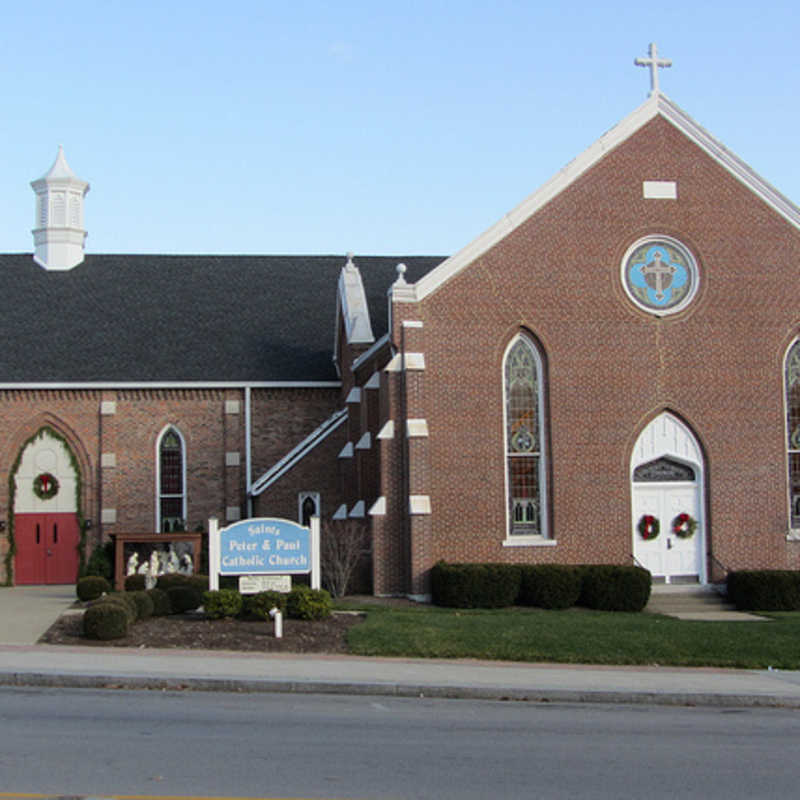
[(183, 318)]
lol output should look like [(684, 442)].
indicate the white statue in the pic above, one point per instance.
[(133, 563), (144, 568), (154, 568), (172, 560), (186, 566)]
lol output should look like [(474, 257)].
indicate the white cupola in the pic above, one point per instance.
[(58, 233)]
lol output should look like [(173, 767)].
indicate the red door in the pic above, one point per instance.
[(47, 548)]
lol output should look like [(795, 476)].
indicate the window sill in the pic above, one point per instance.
[(529, 541), (793, 535)]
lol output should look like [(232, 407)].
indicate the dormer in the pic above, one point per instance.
[(58, 233)]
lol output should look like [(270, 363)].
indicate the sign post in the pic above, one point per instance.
[(263, 546)]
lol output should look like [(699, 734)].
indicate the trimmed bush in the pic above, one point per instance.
[(549, 586), (144, 604), (259, 605), (105, 621), (135, 583), (475, 585), (172, 579), (764, 590), (305, 603), (222, 603), (611, 587), (161, 606), (91, 587), (116, 599), (183, 597)]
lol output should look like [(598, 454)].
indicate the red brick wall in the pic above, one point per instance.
[(610, 368)]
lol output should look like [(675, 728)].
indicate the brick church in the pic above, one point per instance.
[(611, 373)]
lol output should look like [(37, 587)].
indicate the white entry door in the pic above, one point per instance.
[(668, 556)]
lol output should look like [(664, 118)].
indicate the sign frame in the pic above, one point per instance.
[(255, 536)]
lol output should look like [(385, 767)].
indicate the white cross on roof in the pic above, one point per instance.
[(653, 62)]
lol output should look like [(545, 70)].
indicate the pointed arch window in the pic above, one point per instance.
[(524, 436), (171, 464), (792, 383)]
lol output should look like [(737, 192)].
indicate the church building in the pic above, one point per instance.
[(609, 374)]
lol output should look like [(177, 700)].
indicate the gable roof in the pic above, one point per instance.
[(171, 319), (656, 105)]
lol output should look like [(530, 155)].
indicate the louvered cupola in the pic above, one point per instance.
[(58, 233)]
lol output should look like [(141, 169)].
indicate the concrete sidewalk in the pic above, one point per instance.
[(26, 612), (108, 667)]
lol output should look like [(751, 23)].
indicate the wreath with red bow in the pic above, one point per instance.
[(649, 527), (45, 486), (684, 526)]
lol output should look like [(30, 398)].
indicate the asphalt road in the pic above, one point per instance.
[(87, 742)]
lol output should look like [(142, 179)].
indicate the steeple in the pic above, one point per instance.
[(58, 235)]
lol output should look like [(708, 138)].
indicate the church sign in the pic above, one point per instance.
[(264, 546)]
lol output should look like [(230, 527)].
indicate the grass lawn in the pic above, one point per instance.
[(577, 636)]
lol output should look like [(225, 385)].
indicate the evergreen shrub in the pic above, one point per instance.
[(105, 621), (475, 585), (305, 603), (764, 590), (613, 587), (91, 587), (553, 586), (144, 604), (118, 599), (222, 603), (135, 583), (101, 561), (161, 606), (259, 605), (183, 597)]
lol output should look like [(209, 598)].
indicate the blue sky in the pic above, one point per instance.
[(397, 129)]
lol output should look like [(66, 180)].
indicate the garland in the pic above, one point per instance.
[(12, 491), (45, 486), (684, 526), (649, 527)]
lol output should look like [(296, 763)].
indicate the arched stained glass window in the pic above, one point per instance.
[(171, 482), (792, 378), (523, 439)]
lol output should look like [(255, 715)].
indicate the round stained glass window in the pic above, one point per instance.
[(659, 275)]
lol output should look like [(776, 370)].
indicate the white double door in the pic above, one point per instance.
[(669, 556)]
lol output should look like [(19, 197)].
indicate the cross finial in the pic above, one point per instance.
[(653, 62)]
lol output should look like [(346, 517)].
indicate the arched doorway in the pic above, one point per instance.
[(46, 530), (667, 481)]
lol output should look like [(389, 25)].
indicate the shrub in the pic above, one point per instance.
[(160, 598), (343, 544), (222, 603), (101, 561), (105, 621), (183, 597), (259, 605), (135, 583), (116, 599), (549, 586), (144, 604), (764, 590), (305, 603), (612, 587), (475, 585), (91, 587)]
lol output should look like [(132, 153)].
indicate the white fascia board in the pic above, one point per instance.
[(123, 385), (295, 455), (658, 104), (371, 352)]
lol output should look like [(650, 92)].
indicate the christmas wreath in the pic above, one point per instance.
[(649, 527), (684, 526), (45, 486)]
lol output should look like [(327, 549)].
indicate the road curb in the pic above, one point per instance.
[(389, 689)]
